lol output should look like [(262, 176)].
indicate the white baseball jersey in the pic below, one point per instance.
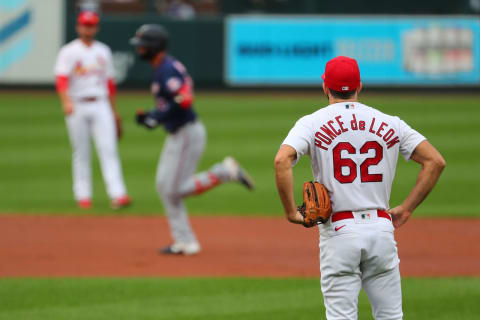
[(353, 150), (88, 68)]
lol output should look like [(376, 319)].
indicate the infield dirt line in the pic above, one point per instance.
[(58, 246)]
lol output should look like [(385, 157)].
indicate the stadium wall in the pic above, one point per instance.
[(31, 33), (265, 51), (197, 43)]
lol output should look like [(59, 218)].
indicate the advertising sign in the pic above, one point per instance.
[(31, 33), (393, 50)]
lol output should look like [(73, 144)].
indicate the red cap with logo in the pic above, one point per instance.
[(88, 18), (342, 74)]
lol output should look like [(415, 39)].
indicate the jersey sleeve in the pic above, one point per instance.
[(64, 63), (173, 80), (409, 140), (299, 138), (163, 98)]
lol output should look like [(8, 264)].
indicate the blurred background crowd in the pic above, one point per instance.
[(189, 9)]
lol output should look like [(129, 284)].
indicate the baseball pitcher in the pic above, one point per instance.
[(353, 150), (84, 79), (172, 88)]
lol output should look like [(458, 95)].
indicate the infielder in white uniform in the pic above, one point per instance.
[(353, 151), (84, 76)]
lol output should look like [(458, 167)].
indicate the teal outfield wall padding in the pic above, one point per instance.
[(269, 50)]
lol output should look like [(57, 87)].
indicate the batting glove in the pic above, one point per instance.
[(142, 118)]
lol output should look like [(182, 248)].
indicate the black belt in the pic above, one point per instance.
[(88, 99)]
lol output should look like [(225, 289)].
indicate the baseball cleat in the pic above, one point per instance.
[(121, 202), (84, 203), (237, 173), (179, 248)]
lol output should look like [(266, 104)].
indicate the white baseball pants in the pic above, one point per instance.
[(360, 253), (94, 119)]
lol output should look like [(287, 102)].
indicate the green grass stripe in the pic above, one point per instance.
[(219, 298), (35, 155)]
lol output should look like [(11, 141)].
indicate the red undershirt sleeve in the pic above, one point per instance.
[(185, 92), (112, 88), (62, 83)]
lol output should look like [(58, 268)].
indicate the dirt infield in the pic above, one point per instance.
[(44, 246)]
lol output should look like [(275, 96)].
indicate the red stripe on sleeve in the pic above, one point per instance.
[(112, 88), (186, 93), (62, 83)]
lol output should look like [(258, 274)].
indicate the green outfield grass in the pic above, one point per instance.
[(230, 298), (35, 152)]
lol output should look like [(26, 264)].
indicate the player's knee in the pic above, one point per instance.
[(109, 152), (165, 190), (161, 187), (169, 196), (81, 155)]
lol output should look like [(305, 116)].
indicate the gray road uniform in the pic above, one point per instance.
[(173, 92)]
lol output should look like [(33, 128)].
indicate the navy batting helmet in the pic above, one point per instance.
[(153, 37)]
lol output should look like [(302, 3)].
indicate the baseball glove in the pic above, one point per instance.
[(316, 207), (119, 126)]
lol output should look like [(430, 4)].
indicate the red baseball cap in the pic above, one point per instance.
[(88, 18), (342, 74)]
